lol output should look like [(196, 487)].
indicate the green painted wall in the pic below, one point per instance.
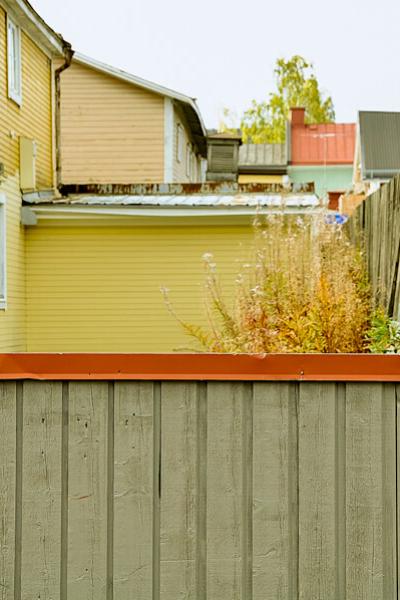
[(333, 178)]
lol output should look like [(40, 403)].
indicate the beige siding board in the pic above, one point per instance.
[(224, 502), (133, 490), (122, 123), (271, 492), (87, 509), (7, 488), (317, 497), (40, 573), (179, 494), (370, 512)]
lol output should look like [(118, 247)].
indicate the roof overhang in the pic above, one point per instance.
[(156, 216), (186, 103), (32, 23)]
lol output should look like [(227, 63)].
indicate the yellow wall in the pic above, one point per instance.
[(260, 178), (33, 120), (111, 130), (98, 288)]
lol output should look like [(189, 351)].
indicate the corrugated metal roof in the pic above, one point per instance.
[(262, 155), (379, 143), (323, 144), (190, 200)]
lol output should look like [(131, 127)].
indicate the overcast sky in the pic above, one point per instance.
[(223, 51)]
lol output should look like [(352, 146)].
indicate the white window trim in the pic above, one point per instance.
[(179, 143), (14, 92), (188, 157), (3, 252)]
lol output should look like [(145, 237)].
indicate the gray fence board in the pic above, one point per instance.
[(7, 487), (87, 502), (133, 490), (204, 491), (41, 476), (270, 489), (179, 493), (317, 502)]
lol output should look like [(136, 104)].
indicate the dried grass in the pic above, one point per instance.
[(306, 290)]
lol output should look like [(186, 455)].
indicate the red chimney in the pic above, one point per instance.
[(297, 116)]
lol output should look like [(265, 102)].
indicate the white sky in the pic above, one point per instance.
[(223, 51)]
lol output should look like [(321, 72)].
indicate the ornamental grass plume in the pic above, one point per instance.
[(305, 290)]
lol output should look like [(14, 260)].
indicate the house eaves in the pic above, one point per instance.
[(32, 23), (172, 214), (163, 209), (187, 104)]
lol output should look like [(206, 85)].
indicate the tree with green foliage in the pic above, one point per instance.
[(297, 86)]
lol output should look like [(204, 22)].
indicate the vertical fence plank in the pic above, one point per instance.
[(201, 498), (271, 494), (87, 515), (7, 488), (389, 492), (317, 497), (178, 490), (224, 502), (133, 490), (41, 490), (370, 513)]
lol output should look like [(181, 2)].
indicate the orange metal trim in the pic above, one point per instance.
[(270, 367)]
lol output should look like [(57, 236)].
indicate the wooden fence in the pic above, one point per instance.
[(118, 484), (378, 219)]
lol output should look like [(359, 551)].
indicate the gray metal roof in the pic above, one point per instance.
[(262, 156), (379, 144), (188, 200)]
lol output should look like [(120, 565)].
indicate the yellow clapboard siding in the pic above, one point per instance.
[(33, 119), (111, 131), (13, 319), (98, 288)]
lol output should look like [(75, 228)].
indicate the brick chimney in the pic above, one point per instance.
[(297, 117)]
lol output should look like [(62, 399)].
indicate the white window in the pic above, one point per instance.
[(3, 279), (14, 61), (179, 143), (192, 166), (188, 157)]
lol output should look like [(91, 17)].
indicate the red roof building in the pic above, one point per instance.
[(323, 144)]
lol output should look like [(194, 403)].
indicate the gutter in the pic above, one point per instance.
[(68, 54)]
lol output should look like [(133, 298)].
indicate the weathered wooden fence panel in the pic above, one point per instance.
[(204, 491), (378, 220)]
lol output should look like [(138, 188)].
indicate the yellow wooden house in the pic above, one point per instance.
[(119, 128), (28, 51), (103, 203)]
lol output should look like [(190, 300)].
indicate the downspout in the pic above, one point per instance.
[(68, 54)]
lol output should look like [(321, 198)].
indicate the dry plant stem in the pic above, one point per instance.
[(304, 291)]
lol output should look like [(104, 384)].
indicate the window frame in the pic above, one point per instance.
[(179, 143), (3, 253), (14, 61), (188, 159)]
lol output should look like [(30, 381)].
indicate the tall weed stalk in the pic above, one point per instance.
[(305, 290)]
